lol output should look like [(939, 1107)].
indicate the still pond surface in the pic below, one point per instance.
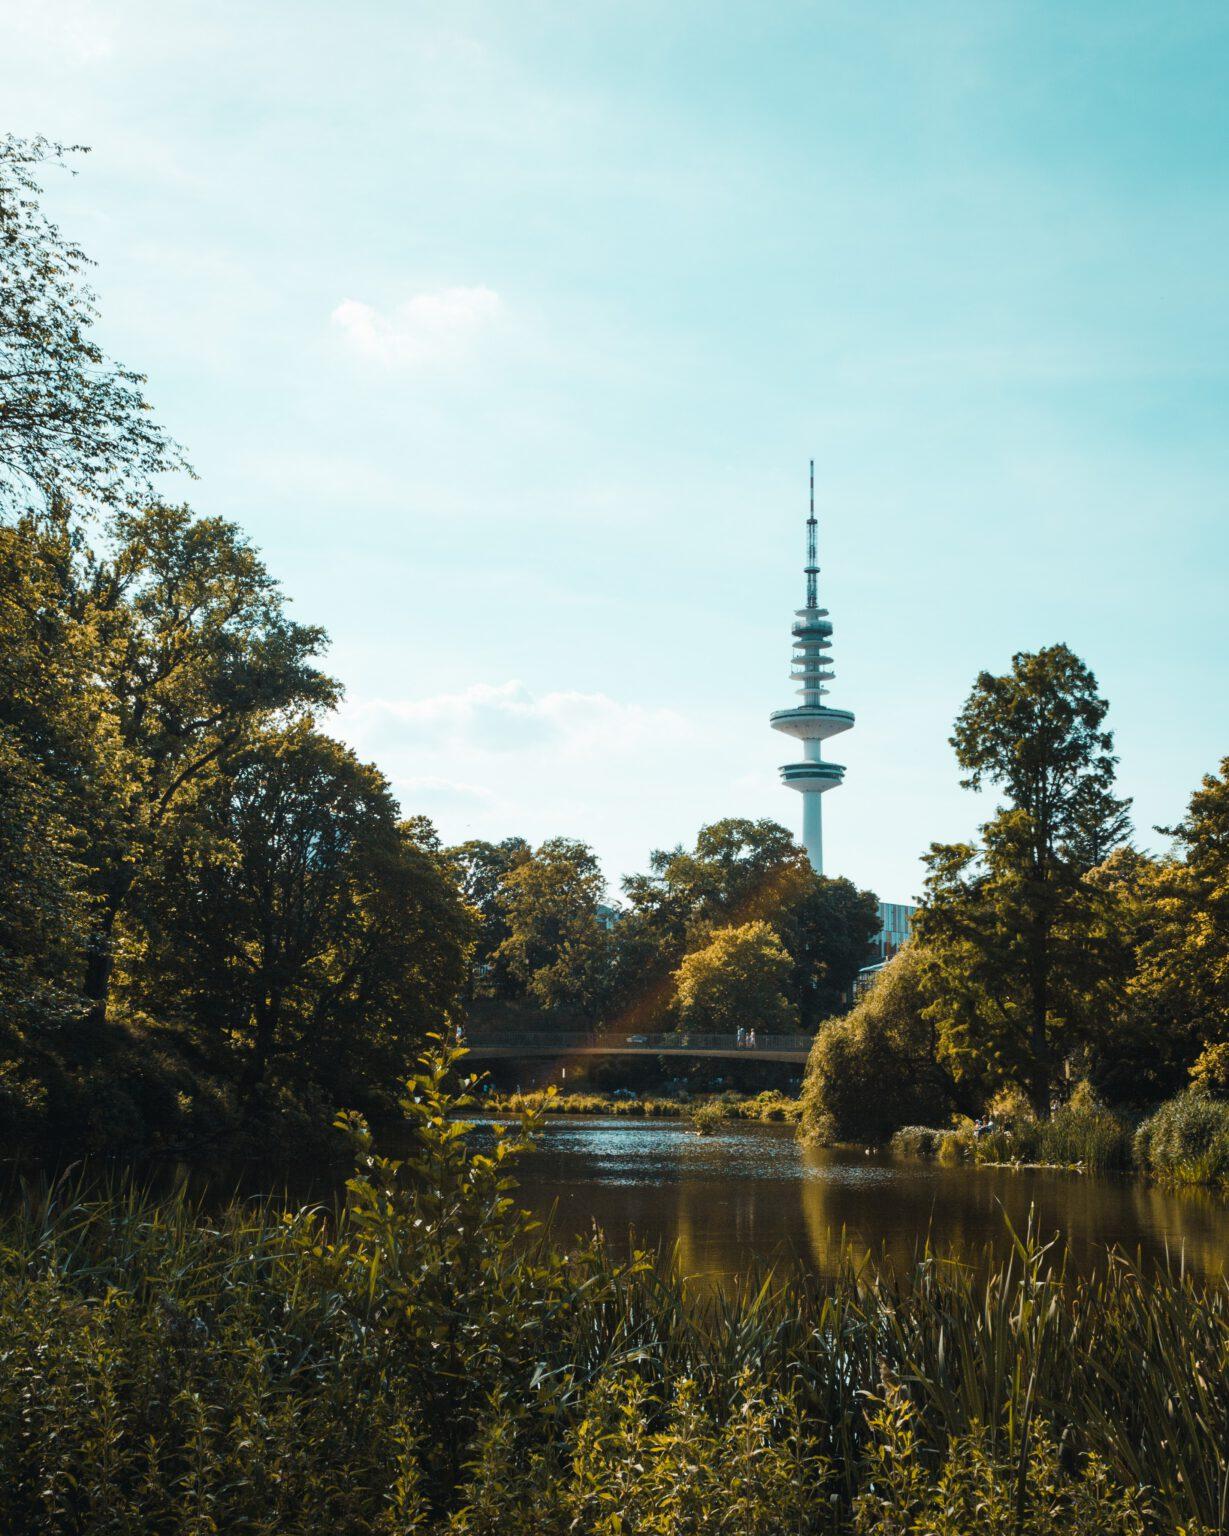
[(749, 1194)]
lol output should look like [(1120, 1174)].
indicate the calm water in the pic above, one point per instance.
[(751, 1193)]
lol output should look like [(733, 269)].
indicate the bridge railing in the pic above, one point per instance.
[(596, 1039)]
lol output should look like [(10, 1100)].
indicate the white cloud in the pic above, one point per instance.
[(437, 327), (507, 717)]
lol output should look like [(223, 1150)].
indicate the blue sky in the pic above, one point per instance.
[(507, 331)]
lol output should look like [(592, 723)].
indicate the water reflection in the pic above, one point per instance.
[(749, 1194)]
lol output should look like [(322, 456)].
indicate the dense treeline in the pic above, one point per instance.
[(216, 926), (212, 916), (426, 1360), (738, 930), (1053, 967)]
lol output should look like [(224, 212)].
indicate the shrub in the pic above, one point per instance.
[(1186, 1140), (981, 1486), (1083, 1132), (874, 1070), (918, 1141), (705, 1118)]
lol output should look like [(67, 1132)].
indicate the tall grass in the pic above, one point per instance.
[(1076, 1136), (766, 1105), (423, 1359), (1187, 1140)]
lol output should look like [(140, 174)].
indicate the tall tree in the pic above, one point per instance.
[(557, 947), (482, 868), (290, 919), (72, 421), (1013, 923), (195, 655)]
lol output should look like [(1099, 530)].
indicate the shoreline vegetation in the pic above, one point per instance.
[(768, 1105), (426, 1359)]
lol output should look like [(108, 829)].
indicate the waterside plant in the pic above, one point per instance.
[(427, 1359)]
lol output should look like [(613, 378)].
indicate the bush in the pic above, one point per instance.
[(1186, 1140), (918, 1141), (874, 1070), (705, 1118)]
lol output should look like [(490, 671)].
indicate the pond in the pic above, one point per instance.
[(749, 1193)]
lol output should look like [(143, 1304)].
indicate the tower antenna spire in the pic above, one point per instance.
[(812, 566), (812, 721)]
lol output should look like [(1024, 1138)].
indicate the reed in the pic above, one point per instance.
[(423, 1358)]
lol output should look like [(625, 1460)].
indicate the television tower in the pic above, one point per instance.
[(812, 721)]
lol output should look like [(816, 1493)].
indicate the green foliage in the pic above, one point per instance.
[(880, 1067), (737, 979), (294, 923), (71, 420), (1186, 1140), (705, 1118), (1210, 1071), (740, 871), (979, 1487), (426, 1359), (1181, 984), (767, 1105), (556, 947), (1021, 941), (482, 868)]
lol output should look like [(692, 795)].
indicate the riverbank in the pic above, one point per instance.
[(765, 1106), (425, 1360)]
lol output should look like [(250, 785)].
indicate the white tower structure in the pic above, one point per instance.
[(812, 722)]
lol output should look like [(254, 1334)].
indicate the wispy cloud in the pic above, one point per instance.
[(507, 717), (438, 327)]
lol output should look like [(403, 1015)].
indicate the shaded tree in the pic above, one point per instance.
[(1182, 981), (294, 925), (482, 868)]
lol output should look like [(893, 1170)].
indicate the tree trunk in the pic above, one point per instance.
[(100, 960)]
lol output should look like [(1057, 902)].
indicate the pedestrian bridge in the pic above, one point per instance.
[(492, 1045)]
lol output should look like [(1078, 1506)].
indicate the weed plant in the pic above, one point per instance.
[(425, 1359)]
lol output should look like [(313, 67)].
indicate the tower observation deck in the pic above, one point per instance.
[(812, 722)]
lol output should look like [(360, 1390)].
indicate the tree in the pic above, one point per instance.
[(737, 978), (1013, 925), (71, 420), (1183, 976), (294, 923), (882, 1065), (194, 655), (741, 870), (828, 930), (482, 869), (556, 947)]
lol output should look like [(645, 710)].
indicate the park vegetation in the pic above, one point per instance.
[(218, 929), (217, 925), (1059, 985), (426, 1359)]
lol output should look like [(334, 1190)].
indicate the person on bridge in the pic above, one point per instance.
[(751, 1039)]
